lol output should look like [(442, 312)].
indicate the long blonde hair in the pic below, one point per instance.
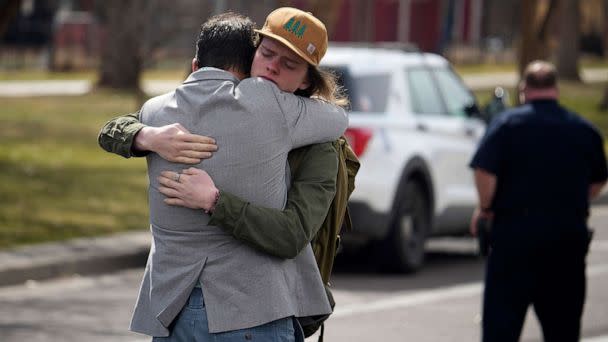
[(323, 85)]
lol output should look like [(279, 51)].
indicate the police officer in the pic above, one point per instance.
[(536, 170)]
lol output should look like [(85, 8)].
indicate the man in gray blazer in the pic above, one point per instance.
[(256, 124)]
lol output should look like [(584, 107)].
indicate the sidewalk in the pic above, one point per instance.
[(156, 87)]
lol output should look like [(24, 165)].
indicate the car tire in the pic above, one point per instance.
[(405, 244)]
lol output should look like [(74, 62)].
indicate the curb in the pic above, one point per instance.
[(82, 256)]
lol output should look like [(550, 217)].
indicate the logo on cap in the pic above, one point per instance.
[(311, 48), (294, 27)]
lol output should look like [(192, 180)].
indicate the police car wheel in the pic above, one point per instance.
[(409, 229)]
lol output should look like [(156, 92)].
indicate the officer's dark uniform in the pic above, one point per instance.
[(544, 158)]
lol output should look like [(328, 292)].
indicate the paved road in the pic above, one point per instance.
[(79, 87), (441, 303)]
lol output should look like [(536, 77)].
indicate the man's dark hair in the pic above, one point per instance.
[(540, 75), (227, 41)]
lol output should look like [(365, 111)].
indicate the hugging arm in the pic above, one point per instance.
[(308, 120), (117, 135), (127, 136), (285, 233), (282, 233), (312, 120)]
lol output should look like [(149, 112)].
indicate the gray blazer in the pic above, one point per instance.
[(255, 126)]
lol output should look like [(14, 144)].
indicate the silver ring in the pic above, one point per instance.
[(177, 177)]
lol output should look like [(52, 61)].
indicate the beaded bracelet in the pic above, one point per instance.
[(212, 208)]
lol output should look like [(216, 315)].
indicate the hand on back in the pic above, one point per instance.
[(175, 144), (193, 188)]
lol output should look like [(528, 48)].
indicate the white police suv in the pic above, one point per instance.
[(414, 126)]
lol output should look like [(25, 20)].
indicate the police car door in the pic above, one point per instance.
[(438, 100)]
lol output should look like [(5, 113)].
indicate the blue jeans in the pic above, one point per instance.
[(191, 325)]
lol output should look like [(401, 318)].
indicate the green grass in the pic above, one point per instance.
[(467, 69), (584, 99), (55, 182)]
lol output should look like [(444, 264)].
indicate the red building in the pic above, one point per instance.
[(430, 24)]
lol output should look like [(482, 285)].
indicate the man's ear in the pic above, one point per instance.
[(521, 92), (194, 65)]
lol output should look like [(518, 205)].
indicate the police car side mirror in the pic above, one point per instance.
[(472, 111)]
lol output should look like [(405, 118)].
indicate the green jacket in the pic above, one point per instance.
[(118, 134), (280, 233)]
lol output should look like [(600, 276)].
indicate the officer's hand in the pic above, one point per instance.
[(477, 214), (175, 144), (474, 220)]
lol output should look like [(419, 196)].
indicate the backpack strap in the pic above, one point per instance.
[(352, 167), (321, 333)]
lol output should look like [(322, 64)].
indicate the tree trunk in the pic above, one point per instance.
[(544, 25), (529, 48), (604, 103), (123, 52), (8, 10), (569, 36)]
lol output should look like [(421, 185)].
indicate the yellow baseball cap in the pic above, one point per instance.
[(300, 31)]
